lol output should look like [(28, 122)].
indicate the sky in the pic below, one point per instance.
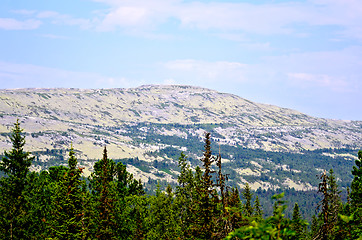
[(304, 55)]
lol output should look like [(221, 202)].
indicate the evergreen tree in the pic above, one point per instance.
[(247, 196), (335, 205), (276, 227), (128, 215), (356, 185), (314, 228), (104, 197), (224, 223), (234, 209), (324, 229), (15, 164), (330, 205), (69, 200), (356, 198), (185, 195), (344, 224), (206, 205), (162, 218), (258, 212), (298, 224), (125, 183), (38, 197)]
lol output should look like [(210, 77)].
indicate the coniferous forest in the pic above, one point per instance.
[(59, 203)]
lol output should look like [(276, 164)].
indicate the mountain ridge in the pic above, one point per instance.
[(152, 123)]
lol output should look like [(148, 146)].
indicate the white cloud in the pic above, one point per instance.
[(325, 81), (270, 18), (139, 14), (336, 71), (232, 19), (13, 24), (332, 71), (63, 19)]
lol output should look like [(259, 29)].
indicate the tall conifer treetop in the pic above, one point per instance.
[(72, 161), (356, 186), (16, 162)]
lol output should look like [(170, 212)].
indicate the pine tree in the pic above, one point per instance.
[(128, 216), (356, 185), (125, 183), (330, 205), (298, 224), (344, 224), (206, 205), (234, 209), (247, 206), (162, 218), (275, 227), (314, 228), (39, 193), (335, 204), (224, 223), (185, 195), (356, 198), (104, 197), (258, 212), (69, 199), (15, 164), (323, 188)]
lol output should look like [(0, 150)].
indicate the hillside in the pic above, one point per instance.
[(147, 127)]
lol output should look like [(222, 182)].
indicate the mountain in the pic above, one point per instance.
[(147, 128)]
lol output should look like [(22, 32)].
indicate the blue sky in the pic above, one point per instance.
[(304, 55)]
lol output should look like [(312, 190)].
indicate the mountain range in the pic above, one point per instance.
[(149, 126)]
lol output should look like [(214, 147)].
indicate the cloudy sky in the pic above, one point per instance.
[(305, 55)]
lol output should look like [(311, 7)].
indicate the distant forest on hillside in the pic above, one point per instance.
[(204, 203)]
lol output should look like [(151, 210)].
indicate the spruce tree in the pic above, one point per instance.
[(224, 225), (356, 185), (39, 193), (235, 215), (162, 218), (325, 227), (298, 224), (314, 228), (104, 197), (15, 165), (247, 206), (69, 201), (185, 195), (125, 183), (330, 205), (258, 212), (206, 205), (275, 227), (335, 204), (356, 198), (128, 215)]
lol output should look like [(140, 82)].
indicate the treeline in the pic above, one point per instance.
[(59, 203)]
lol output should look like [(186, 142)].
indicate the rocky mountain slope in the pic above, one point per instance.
[(152, 124)]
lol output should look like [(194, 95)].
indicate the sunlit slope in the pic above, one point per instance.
[(155, 123), (240, 121), (156, 104)]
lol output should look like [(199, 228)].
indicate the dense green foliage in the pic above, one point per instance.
[(15, 164), (59, 203)]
